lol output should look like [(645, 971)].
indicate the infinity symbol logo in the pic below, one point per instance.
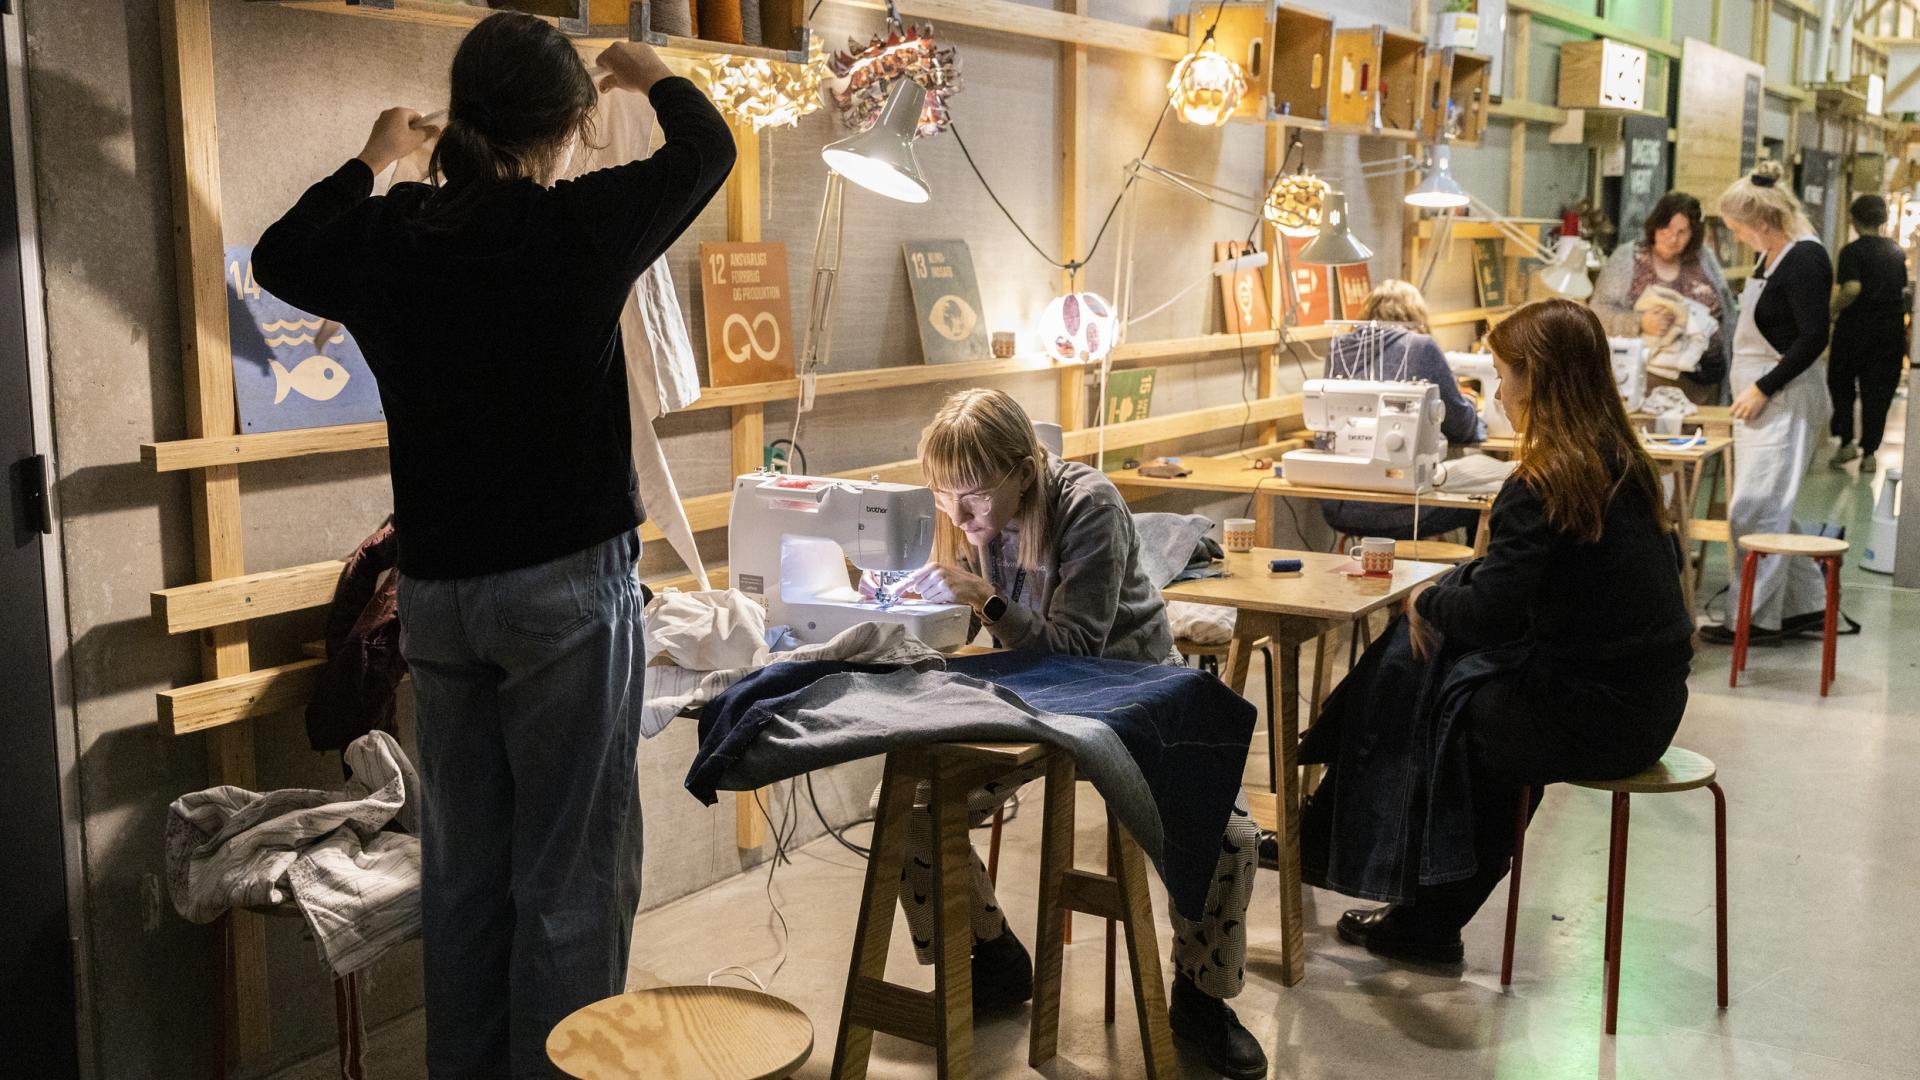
[(750, 346)]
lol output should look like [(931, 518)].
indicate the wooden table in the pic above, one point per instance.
[(1687, 464), (1236, 476), (1291, 610)]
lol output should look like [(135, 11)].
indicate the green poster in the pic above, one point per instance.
[(946, 301), (1489, 273), (1129, 397)]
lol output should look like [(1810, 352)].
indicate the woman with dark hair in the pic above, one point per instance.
[(1562, 654), (488, 308), (1869, 332), (1670, 254)]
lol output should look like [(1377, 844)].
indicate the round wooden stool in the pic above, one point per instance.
[(1677, 770), (1433, 551), (1822, 549), (691, 1032)]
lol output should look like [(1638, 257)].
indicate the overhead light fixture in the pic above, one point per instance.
[(864, 74), (1438, 190), (881, 158), (1076, 325), (1566, 276), (1293, 204), (763, 93), (1335, 245), (1206, 87)]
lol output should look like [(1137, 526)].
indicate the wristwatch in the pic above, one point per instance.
[(994, 609)]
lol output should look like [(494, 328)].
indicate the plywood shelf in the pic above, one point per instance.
[(248, 696), (252, 596)]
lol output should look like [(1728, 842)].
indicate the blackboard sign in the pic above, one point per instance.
[(1750, 123), (1644, 179)]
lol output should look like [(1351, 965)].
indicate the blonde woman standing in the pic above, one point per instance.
[(1779, 399), (1045, 552)]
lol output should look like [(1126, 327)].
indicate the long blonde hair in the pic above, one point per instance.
[(1397, 301), (1763, 201), (978, 439)]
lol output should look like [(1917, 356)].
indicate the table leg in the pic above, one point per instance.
[(1686, 490), (1284, 743), (1484, 532), (1266, 521)]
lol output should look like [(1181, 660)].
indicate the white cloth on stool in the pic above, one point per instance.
[(324, 853), (714, 630)]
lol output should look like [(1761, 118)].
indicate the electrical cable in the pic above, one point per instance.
[(781, 835), (833, 832)]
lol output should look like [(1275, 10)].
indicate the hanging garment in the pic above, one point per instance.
[(1684, 344), (1773, 452), (327, 854), (363, 665)]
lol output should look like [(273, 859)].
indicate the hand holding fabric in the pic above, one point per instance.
[(943, 584), (397, 133)]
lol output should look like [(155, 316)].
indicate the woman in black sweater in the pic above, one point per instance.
[(1780, 403), (1563, 654), (488, 309)]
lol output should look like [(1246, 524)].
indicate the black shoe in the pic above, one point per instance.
[(1210, 1028), (1380, 933), (1002, 972), (1269, 850), (1721, 634)]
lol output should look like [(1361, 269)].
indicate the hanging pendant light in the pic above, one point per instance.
[(1336, 245), (1294, 202), (1439, 190), (1206, 87), (1078, 324), (880, 158), (760, 92)]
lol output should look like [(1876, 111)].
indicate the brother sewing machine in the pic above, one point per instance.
[(789, 539), (1385, 436)]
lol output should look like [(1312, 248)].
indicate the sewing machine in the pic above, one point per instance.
[(1629, 356), (1477, 368), (1385, 436), (789, 539)]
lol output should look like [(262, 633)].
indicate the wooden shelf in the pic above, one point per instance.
[(1467, 228), (1531, 112), (271, 446), (253, 596), (247, 696)]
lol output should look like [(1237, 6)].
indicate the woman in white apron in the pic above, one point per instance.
[(1780, 405)]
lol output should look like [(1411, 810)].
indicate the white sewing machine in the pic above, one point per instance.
[(1385, 435), (1477, 367), (789, 539), (1629, 355)]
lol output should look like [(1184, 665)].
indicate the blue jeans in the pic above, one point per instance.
[(527, 687)]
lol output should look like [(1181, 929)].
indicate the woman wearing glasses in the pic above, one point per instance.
[(1044, 551)]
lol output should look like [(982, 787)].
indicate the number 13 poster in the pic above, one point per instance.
[(749, 312)]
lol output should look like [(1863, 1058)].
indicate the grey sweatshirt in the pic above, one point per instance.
[(1092, 596)]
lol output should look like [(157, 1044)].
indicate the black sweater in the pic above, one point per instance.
[(1792, 311), (1609, 612), (495, 340)]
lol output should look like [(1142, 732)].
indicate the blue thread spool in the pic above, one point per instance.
[(1283, 566)]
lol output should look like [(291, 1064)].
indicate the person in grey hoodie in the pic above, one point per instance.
[(1046, 553)]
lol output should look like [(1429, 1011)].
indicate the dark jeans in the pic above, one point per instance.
[(1876, 374), (1512, 746), (527, 686)]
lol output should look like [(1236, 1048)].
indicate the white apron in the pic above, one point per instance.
[(1772, 453)]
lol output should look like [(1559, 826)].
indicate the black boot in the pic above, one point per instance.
[(1209, 1026), (1002, 972), (1392, 932)]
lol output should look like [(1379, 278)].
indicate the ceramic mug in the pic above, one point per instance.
[(1375, 554), (1237, 534)]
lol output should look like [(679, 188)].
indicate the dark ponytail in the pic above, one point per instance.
[(519, 94)]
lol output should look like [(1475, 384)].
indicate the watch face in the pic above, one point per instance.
[(994, 608)]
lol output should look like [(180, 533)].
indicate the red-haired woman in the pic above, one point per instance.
[(1562, 654)]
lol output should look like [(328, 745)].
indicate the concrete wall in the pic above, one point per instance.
[(296, 92)]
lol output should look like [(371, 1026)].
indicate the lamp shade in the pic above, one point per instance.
[(1439, 190), (1075, 325), (1336, 245), (1567, 276), (880, 158)]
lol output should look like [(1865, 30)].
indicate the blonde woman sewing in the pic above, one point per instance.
[(1045, 552)]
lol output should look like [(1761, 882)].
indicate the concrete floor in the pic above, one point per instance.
[(1825, 961)]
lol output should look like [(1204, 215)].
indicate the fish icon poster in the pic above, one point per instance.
[(291, 369)]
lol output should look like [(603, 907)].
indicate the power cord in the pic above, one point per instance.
[(782, 834)]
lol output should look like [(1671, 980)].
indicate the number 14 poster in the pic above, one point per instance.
[(291, 369)]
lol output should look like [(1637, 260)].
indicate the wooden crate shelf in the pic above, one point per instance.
[(1456, 80)]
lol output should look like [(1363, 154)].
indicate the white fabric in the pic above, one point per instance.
[(1685, 342), (1202, 624), (1475, 474), (661, 373), (714, 630), (323, 853), (1662, 400), (1773, 453), (674, 691)]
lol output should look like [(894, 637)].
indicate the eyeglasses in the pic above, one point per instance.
[(976, 502)]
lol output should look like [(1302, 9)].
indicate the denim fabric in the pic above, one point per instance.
[(528, 688)]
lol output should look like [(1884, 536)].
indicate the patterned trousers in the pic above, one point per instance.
[(1212, 952)]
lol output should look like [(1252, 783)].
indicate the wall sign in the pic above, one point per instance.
[(1243, 292), (749, 312), (1643, 175), (946, 300), (291, 369), (1717, 123)]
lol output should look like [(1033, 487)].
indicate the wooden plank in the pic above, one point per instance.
[(1071, 407), (747, 422), (1553, 13), (230, 449), (186, 50), (1011, 17), (249, 596), (247, 696)]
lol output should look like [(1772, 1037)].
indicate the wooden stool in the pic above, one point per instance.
[(1677, 770), (1433, 551), (690, 1032), (1822, 549), (943, 1018)]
